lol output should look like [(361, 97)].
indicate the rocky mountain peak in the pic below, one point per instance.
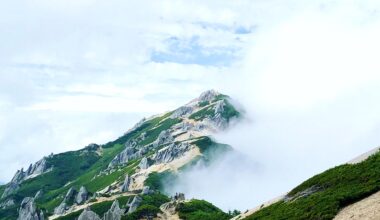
[(163, 143), (208, 95)]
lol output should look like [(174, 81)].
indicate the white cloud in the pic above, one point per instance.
[(310, 85), (77, 72), (76, 64)]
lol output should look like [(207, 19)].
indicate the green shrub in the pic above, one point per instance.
[(210, 149), (229, 111), (155, 199), (203, 113), (9, 213), (203, 104), (200, 210), (158, 181)]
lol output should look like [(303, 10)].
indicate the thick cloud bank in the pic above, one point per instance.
[(310, 85)]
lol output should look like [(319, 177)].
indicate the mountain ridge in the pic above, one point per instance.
[(62, 184)]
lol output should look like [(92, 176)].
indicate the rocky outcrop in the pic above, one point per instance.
[(182, 111), (7, 203), (144, 163), (129, 153), (38, 168), (69, 198), (104, 191), (134, 204), (208, 96), (184, 126), (33, 170), (218, 120), (61, 209), (171, 152), (125, 186), (114, 213), (19, 176), (82, 195), (70, 195), (11, 188), (164, 137), (28, 210), (146, 190), (305, 193), (169, 207), (87, 214), (179, 197), (219, 107)]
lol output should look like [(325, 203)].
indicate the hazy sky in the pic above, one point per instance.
[(83, 71)]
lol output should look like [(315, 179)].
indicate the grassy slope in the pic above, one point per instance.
[(54, 197), (340, 186), (66, 167)]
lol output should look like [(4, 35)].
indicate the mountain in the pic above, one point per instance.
[(124, 178), (127, 178), (349, 191)]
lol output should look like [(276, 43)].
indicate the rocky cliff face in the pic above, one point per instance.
[(34, 170), (28, 210)]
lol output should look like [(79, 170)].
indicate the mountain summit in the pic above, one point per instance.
[(123, 179)]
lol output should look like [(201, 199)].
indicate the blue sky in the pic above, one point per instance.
[(77, 72), (92, 65)]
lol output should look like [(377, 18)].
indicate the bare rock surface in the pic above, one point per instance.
[(28, 210), (126, 183), (164, 137), (134, 204), (82, 195), (114, 213), (61, 209), (182, 111), (171, 152), (87, 214)]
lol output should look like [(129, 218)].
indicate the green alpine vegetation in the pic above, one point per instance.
[(333, 190), (200, 209)]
